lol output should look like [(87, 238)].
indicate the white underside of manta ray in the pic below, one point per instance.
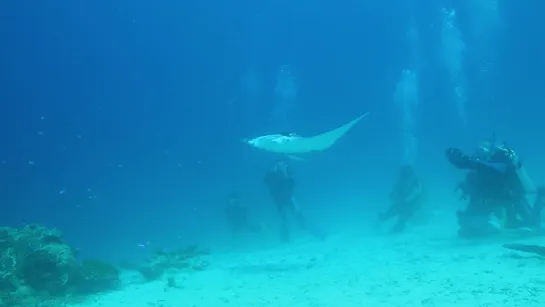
[(295, 144)]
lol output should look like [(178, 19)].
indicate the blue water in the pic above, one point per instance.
[(121, 120)]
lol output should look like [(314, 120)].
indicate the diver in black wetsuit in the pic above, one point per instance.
[(237, 217), (280, 183), (496, 183), (406, 199)]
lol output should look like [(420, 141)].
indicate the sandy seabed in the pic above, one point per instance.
[(406, 270)]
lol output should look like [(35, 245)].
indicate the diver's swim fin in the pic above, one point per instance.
[(534, 249)]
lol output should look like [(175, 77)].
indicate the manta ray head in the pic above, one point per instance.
[(268, 142), (251, 142)]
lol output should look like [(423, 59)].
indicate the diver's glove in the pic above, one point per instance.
[(514, 158), (457, 158)]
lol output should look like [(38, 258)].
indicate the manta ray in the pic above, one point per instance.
[(288, 143)]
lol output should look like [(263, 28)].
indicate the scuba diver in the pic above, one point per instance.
[(281, 183), (237, 216), (406, 199), (497, 183)]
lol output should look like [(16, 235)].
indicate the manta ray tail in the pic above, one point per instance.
[(327, 139)]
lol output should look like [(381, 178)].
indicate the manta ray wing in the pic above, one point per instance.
[(322, 141)]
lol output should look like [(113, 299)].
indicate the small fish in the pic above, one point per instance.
[(295, 158), (144, 245)]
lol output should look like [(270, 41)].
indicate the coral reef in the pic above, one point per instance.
[(36, 264), (162, 261), (35, 257), (97, 276), (37, 268)]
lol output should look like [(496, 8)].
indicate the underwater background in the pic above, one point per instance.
[(121, 121)]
